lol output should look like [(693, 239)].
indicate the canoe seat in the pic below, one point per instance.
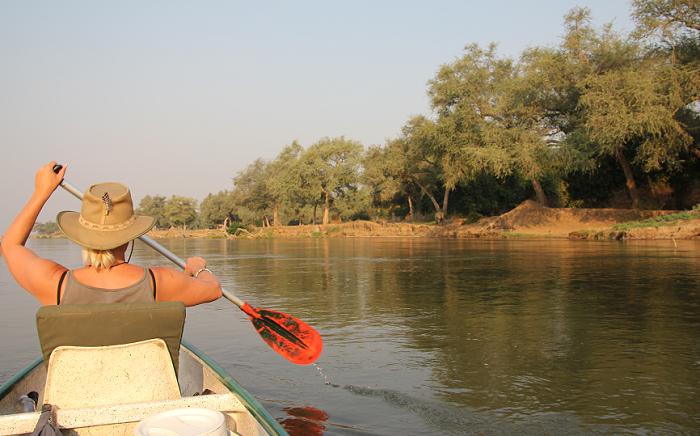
[(96, 325), (101, 354), (109, 375)]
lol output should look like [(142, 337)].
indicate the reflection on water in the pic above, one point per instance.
[(452, 337), (304, 421)]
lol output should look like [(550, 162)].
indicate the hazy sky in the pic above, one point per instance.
[(175, 97)]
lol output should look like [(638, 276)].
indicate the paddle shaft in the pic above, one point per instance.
[(155, 245)]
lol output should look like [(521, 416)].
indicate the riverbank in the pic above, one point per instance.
[(528, 220)]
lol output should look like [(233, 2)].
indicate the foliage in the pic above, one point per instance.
[(659, 221), (354, 204), (153, 206), (251, 192), (666, 19), (180, 211), (215, 209), (630, 109), (234, 226), (329, 169), (47, 228)]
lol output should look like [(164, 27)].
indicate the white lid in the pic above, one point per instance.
[(183, 422)]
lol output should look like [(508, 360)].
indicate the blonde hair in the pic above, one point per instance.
[(100, 259)]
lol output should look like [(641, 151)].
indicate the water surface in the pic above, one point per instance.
[(443, 336)]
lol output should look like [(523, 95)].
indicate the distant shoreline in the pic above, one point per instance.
[(529, 220)]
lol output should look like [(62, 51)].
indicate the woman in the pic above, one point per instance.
[(104, 227)]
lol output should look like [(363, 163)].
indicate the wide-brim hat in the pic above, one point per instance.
[(106, 219)]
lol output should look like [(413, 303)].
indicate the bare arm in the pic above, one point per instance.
[(173, 285), (37, 275)]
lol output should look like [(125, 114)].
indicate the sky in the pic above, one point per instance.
[(176, 97)]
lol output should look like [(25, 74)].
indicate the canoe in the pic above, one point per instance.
[(203, 384)]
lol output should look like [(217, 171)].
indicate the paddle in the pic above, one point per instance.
[(290, 337)]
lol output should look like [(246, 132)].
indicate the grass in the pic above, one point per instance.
[(661, 220)]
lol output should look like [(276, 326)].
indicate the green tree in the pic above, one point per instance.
[(630, 112), (180, 211), (666, 19), (283, 181), (46, 228), (328, 168), (251, 193), (382, 174), (466, 97), (217, 210), (354, 204), (153, 206)]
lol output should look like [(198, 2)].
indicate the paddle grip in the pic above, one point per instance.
[(57, 168)]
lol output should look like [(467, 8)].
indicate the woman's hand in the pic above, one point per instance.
[(194, 264), (46, 181)]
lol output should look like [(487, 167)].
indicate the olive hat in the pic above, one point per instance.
[(106, 219)]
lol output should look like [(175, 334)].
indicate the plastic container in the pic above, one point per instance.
[(184, 422), (26, 404)]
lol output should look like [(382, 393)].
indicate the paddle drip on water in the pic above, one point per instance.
[(326, 379)]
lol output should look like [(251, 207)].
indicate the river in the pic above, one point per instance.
[(428, 337)]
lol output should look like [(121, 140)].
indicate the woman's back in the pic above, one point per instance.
[(122, 283)]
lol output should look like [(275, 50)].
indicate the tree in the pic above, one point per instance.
[(153, 206), (46, 228), (465, 95), (217, 209), (251, 192), (630, 112), (354, 204), (180, 211), (666, 19), (383, 175), (283, 179), (330, 167)]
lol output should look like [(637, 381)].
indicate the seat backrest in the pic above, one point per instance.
[(79, 377), (95, 325)]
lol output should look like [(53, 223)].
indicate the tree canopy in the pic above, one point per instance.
[(600, 119)]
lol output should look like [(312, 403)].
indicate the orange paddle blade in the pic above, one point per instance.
[(290, 337)]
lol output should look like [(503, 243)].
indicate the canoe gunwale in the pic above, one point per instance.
[(6, 387)]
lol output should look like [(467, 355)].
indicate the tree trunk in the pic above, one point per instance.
[(539, 192), (326, 208), (227, 220), (314, 218), (439, 216), (410, 208), (445, 199), (629, 177), (276, 216)]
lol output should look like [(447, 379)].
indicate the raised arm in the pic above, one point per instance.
[(37, 275), (173, 285)]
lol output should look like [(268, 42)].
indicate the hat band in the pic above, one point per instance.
[(106, 227)]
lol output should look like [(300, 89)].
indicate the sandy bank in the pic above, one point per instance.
[(529, 219)]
